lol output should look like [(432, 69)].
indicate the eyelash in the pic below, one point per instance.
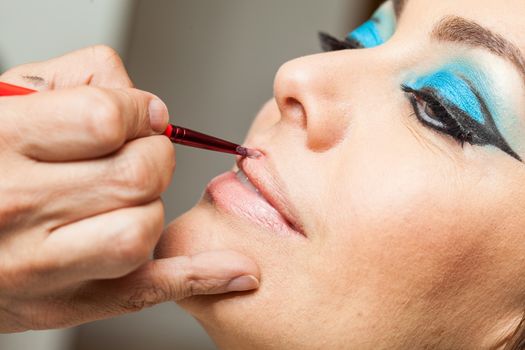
[(330, 43), (434, 113)]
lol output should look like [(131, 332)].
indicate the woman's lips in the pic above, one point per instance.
[(237, 193)]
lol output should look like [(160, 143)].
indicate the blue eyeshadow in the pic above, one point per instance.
[(376, 30), (367, 34), (462, 103), (454, 90)]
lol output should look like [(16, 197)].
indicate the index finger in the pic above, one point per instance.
[(96, 65), (80, 123)]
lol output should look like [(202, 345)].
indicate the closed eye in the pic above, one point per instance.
[(433, 114), (433, 111)]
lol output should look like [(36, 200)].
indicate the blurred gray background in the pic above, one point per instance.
[(213, 63)]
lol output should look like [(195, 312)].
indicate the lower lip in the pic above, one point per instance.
[(231, 196)]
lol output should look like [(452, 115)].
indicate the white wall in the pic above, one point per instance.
[(34, 30)]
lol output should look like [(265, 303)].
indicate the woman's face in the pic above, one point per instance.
[(396, 186)]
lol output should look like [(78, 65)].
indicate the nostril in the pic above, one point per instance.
[(294, 112)]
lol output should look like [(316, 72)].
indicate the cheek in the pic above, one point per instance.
[(409, 228)]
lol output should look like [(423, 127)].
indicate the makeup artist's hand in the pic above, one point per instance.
[(82, 170)]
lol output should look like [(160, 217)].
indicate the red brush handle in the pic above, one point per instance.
[(13, 90), (168, 130), (175, 133)]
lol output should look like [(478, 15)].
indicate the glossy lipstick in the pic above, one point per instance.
[(255, 198)]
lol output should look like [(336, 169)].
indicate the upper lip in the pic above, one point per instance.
[(271, 189)]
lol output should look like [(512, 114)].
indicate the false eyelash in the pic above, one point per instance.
[(330, 43), (451, 125)]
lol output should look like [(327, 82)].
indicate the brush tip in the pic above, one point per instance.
[(248, 152), (253, 153)]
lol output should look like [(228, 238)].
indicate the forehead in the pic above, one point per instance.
[(418, 18), (502, 16)]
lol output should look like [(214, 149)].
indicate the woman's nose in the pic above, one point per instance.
[(309, 94)]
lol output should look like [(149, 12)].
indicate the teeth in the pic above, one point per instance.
[(241, 176)]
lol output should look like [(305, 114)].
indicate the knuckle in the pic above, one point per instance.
[(27, 275), (145, 294), (15, 207), (190, 284), (14, 278), (134, 244), (104, 122), (155, 221), (13, 274), (18, 71), (166, 165), (158, 216), (106, 55), (185, 285), (38, 268), (137, 176)]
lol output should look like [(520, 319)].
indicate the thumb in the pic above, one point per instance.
[(213, 272), (172, 279)]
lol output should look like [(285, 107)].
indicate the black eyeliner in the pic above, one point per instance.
[(458, 123)]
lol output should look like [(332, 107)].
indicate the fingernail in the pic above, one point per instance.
[(158, 115), (243, 283)]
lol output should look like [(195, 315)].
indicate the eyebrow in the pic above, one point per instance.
[(460, 30)]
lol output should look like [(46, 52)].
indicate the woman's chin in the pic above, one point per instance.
[(188, 235), (230, 317), (181, 235), (196, 231)]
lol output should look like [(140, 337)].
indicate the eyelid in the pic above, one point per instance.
[(469, 129), (367, 34), (464, 118), (454, 89), (378, 29), (430, 98)]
